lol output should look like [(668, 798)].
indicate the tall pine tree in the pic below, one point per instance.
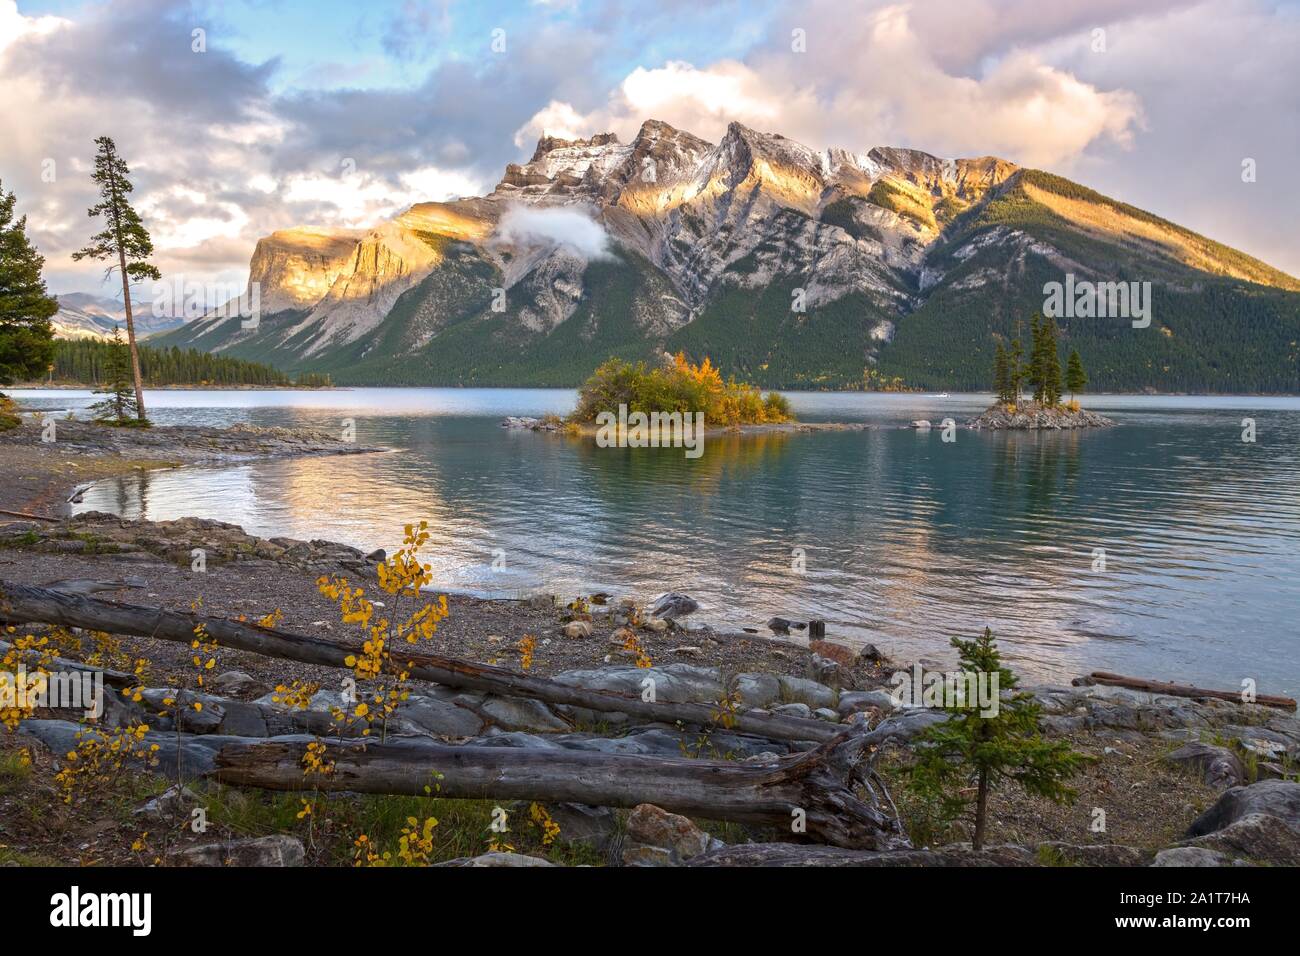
[(1051, 363), (1001, 376), (1036, 360), (1075, 377), (123, 238), (1016, 361), (26, 337)]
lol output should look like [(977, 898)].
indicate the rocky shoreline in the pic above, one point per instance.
[(1182, 781), (1029, 416), (1210, 756), (47, 472)]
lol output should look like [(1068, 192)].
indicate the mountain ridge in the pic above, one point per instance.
[(705, 247)]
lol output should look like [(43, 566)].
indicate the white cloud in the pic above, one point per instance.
[(869, 81), (14, 26), (555, 119), (564, 226)]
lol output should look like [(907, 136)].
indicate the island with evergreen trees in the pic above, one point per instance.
[(1041, 373)]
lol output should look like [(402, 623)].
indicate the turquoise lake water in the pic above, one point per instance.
[(906, 540)]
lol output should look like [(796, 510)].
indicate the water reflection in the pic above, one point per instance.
[(908, 540)]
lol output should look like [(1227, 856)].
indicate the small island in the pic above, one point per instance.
[(1042, 372), (641, 406)]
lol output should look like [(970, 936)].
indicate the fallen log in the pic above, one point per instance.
[(112, 678), (1186, 690), (30, 517), (814, 788), (28, 604)]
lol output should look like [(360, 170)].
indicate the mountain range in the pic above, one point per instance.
[(83, 315), (788, 266)]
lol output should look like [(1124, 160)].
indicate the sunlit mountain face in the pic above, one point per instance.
[(791, 266)]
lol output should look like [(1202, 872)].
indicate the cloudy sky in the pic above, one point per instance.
[(330, 112)]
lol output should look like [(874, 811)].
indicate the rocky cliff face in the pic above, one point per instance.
[(704, 246)]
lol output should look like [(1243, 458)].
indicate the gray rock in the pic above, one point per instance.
[(676, 683), (793, 710), (243, 720), (237, 684), (758, 690), (808, 691), (276, 850), (825, 713), (1190, 856), (905, 725), (673, 605), (1276, 798), (583, 825), (1219, 767), (1257, 836), (171, 803), (518, 713), (638, 854), (1093, 854), (855, 700), (440, 717)]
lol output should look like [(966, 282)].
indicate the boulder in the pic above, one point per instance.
[(1093, 854), (1257, 836), (758, 690), (1277, 798), (520, 713), (276, 850), (670, 837), (440, 717), (808, 691), (857, 700), (673, 605), (793, 710), (1219, 767), (582, 824), (239, 685), (1190, 856)]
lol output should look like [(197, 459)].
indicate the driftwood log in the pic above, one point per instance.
[(28, 604), (810, 794), (1186, 690)]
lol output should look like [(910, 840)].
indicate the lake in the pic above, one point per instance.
[(892, 536)]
